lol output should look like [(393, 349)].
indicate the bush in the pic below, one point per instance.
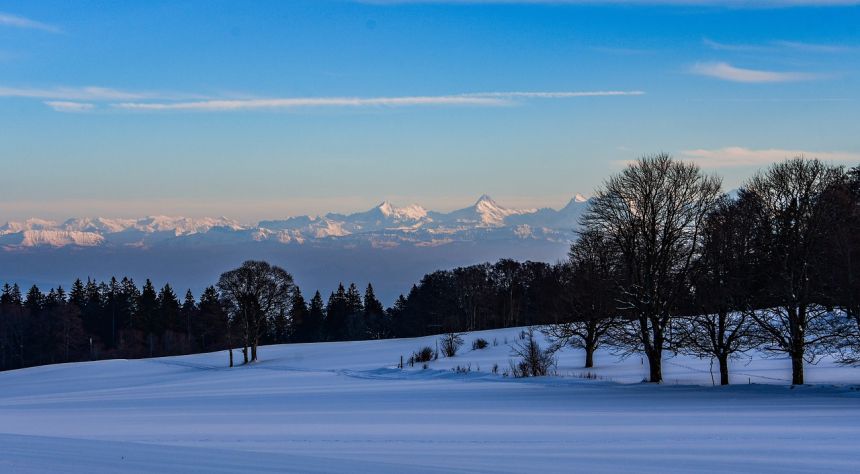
[(462, 370), (450, 343), (534, 361), (425, 354), (479, 344)]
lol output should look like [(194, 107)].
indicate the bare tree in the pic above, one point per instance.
[(845, 253), (533, 360), (451, 343), (799, 219), (589, 296), (652, 213), (725, 281), (256, 292)]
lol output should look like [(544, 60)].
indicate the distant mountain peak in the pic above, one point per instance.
[(412, 212), (485, 198), (384, 224)]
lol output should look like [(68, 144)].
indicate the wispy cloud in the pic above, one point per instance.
[(727, 72), (16, 21), (816, 47), (75, 93), (297, 102), (65, 106), (736, 156), (471, 99), (67, 99), (778, 46), (552, 95)]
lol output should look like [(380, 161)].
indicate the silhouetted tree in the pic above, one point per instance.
[(652, 214), (789, 199), (726, 281), (257, 291), (589, 295)]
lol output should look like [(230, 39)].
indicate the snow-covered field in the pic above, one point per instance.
[(345, 407)]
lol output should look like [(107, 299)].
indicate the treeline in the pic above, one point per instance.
[(118, 319), (663, 261)]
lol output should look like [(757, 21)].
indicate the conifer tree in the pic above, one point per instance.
[(189, 313), (298, 318), (375, 318), (336, 314), (147, 315), (169, 317), (316, 318)]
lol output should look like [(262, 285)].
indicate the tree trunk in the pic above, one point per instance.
[(652, 338), (231, 357), (797, 367), (797, 321), (724, 369), (589, 356), (245, 354), (254, 350), (655, 366)]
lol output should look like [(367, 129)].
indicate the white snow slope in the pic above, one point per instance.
[(345, 407)]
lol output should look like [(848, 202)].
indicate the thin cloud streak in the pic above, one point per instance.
[(727, 72), (780, 46), (65, 106), (736, 156), (553, 95), (16, 21), (471, 99), (285, 103), (75, 93)]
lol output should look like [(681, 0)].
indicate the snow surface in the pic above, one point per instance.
[(345, 407)]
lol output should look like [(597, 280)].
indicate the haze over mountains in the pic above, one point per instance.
[(389, 246)]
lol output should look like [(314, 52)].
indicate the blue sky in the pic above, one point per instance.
[(269, 109)]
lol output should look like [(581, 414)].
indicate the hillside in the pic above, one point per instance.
[(347, 407)]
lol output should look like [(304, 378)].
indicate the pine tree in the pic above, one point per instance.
[(299, 317), (77, 296), (147, 315), (15, 294), (335, 315), (212, 325), (356, 326), (113, 296), (169, 314), (35, 300), (189, 313), (316, 318), (375, 318)]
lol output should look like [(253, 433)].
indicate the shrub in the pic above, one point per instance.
[(534, 361), (462, 370), (450, 343), (479, 344), (425, 354)]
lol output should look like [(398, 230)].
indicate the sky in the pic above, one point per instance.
[(268, 109)]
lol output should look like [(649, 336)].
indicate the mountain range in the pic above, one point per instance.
[(390, 246), (384, 225)]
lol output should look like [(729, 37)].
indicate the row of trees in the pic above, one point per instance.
[(251, 305), (665, 262)]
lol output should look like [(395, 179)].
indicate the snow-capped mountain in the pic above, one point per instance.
[(385, 224), (390, 246), (484, 213)]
